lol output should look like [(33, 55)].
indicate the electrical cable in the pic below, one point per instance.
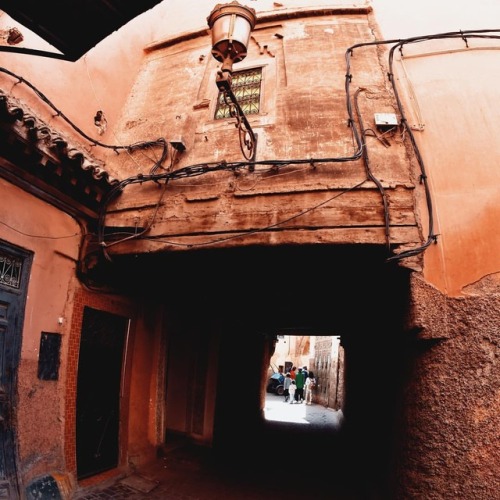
[(204, 168), (36, 52), (369, 172), (398, 44), (40, 236), (134, 235), (131, 147)]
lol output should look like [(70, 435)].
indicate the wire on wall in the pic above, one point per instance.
[(354, 121), (131, 147), (398, 45)]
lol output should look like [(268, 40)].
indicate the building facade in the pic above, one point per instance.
[(143, 255)]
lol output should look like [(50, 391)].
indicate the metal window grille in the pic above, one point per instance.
[(246, 88), (10, 270)]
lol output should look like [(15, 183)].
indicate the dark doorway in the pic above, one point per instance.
[(15, 266), (98, 391)]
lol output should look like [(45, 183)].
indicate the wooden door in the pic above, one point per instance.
[(15, 266)]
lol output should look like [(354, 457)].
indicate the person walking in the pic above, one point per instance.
[(292, 389), (299, 381), (286, 386), (310, 385)]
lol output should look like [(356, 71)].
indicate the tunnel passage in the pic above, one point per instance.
[(250, 293), (355, 457)]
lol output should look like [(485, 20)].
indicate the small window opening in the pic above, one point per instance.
[(49, 356), (246, 86), (10, 270)]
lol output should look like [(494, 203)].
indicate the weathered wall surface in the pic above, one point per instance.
[(448, 426), (446, 107), (142, 395), (103, 79), (451, 408), (311, 185), (329, 369), (54, 239), (44, 415)]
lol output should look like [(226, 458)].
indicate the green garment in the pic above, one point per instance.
[(300, 380)]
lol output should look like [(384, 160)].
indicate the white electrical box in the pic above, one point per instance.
[(385, 121)]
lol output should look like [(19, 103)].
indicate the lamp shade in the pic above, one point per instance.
[(231, 25)]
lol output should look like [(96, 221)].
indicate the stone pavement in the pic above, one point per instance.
[(290, 462), (315, 417)]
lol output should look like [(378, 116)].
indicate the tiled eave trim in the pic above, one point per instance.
[(37, 133), (262, 18)]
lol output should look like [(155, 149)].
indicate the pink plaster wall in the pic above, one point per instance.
[(54, 238), (460, 142), (463, 178), (454, 92)]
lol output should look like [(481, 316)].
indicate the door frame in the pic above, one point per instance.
[(101, 365)]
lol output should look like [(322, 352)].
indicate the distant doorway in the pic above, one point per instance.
[(98, 391)]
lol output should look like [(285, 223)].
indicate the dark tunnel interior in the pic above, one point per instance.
[(252, 292)]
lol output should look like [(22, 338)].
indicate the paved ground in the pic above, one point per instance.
[(313, 416), (290, 463)]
